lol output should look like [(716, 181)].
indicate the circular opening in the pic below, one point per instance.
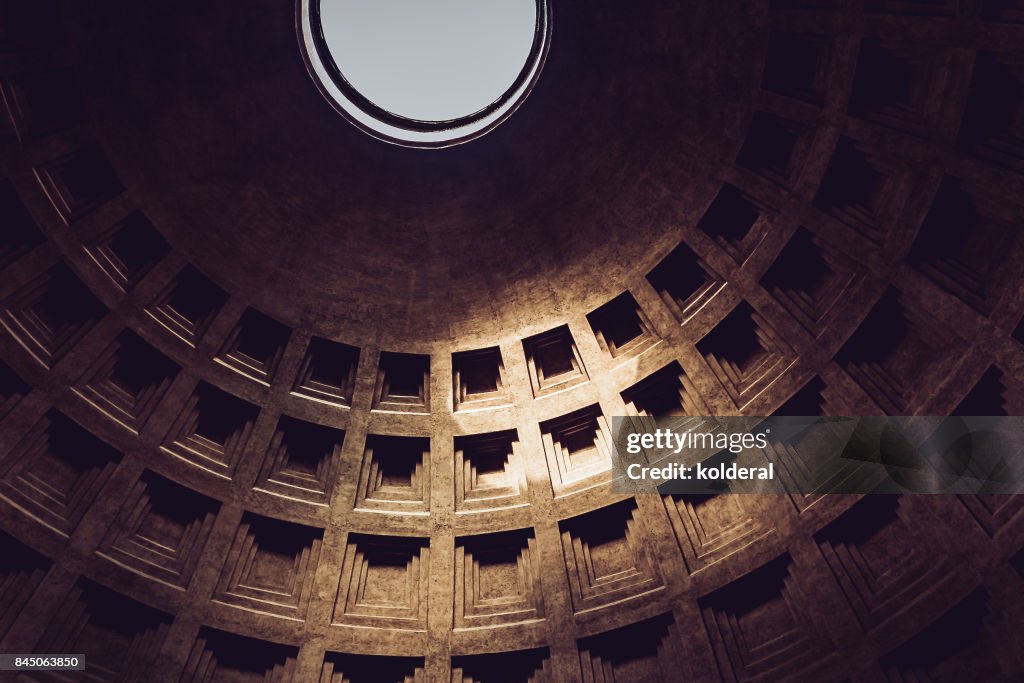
[(425, 73)]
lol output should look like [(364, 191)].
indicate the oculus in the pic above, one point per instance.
[(425, 73)]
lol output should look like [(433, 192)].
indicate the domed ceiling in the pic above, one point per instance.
[(211, 118), (281, 401)]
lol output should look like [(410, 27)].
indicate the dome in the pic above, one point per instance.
[(282, 401)]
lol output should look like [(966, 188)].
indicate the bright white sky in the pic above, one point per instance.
[(431, 60)]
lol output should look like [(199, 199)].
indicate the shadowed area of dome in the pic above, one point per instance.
[(244, 165)]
